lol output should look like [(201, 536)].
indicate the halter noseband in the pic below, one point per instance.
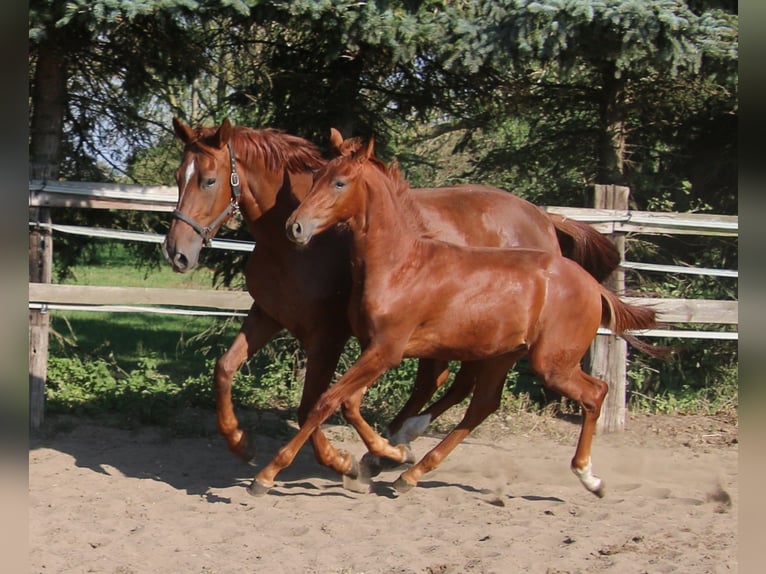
[(206, 232)]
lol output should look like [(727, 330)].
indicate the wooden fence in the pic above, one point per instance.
[(611, 216)]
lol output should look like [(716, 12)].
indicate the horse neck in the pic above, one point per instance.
[(269, 196), (386, 232), (276, 176)]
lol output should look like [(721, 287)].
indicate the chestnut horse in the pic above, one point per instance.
[(415, 296), (264, 174)]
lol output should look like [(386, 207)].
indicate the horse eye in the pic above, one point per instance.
[(339, 184), (209, 182)]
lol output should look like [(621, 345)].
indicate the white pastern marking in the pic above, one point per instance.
[(591, 482), (412, 428)]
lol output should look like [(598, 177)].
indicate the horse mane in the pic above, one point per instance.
[(400, 188), (278, 150)]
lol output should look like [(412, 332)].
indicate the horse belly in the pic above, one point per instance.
[(476, 326)]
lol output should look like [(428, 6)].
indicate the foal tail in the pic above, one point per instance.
[(620, 316), (587, 247)]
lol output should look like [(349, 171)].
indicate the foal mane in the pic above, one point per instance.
[(400, 189)]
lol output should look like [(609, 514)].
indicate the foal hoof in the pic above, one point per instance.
[(402, 486), (258, 488), (600, 491)]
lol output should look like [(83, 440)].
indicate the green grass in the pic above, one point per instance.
[(148, 367)]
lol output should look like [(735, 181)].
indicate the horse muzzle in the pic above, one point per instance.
[(181, 261), (299, 232)]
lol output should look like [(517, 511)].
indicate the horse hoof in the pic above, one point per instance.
[(402, 486), (358, 484), (600, 491), (372, 464), (257, 488)]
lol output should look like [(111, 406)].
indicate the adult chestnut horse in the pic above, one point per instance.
[(265, 174), (414, 296)]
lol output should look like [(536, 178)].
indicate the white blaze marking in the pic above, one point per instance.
[(188, 174)]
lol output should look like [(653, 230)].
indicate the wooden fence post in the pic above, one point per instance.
[(40, 265), (608, 354)]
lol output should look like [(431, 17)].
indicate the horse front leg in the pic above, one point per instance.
[(321, 360), (255, 332), (363, 373)]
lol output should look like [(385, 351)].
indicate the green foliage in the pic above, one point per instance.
[(517, 93), (700, 379), (89, 387)]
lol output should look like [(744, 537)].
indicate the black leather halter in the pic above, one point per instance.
[(207, 231)]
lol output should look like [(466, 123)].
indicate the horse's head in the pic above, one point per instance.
[(208, 192), (336, 194)]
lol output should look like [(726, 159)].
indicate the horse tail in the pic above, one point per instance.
[(620, 316), (587, 247)]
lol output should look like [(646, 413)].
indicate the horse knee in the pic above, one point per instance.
[(593, 400), (225, 369)]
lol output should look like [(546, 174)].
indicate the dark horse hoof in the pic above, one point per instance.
[(257, 488), (402, 486), (372, 464), (357, 479)]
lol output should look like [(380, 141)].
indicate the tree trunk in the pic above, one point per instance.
[(48, 105), (611, 149)]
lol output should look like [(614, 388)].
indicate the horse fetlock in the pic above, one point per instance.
[(239, 444), (407, 456), (590, 481), (352, 466)]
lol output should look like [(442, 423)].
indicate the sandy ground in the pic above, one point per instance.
[(115, 501)]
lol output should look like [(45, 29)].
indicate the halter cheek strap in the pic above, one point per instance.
[(207, 231)]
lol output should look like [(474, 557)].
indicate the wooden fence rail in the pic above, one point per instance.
[(611, 217)]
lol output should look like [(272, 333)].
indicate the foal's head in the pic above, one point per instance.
[(338, 192)]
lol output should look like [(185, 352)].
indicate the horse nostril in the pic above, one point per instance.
[(180, 262), (296, 229)]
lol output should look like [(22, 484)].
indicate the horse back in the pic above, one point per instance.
[(486, 216)]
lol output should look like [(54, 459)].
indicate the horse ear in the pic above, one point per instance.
[(223, 135), (336, 140), (184, 132), (368, 151)]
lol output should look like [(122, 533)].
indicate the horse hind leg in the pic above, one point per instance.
[(431, 375), (486, 379), (415, 423), (591, 403), (589, 393)]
